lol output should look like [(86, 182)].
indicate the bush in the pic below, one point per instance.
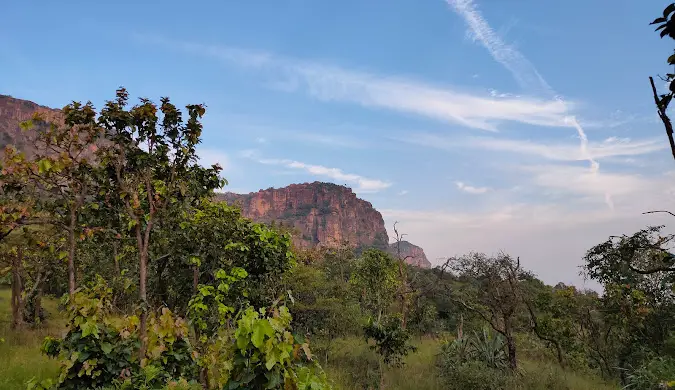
[(486, 348), (658, 373), (475, 375)]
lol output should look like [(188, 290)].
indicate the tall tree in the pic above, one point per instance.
[(152, 164), (58, 177)]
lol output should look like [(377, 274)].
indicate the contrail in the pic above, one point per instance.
[(521, 68)]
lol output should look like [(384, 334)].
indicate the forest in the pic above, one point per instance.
[(118, 270)]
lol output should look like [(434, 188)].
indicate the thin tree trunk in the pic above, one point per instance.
[(37, 307), (511, 346), (142, 291), (195, 277), (144, 301), (115, 259), (71, 253), (664, 117), (17, 289)]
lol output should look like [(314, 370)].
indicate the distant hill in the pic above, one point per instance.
[(14, 111), (322, 213), (412, 253)]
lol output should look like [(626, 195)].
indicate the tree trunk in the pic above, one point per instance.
[(71, 253), (17, 289), (37, 307), (511, 346), (195, 277), (115, 259), (142, 294), (381, 367)]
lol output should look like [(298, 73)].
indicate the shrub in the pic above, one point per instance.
[(658, 373)]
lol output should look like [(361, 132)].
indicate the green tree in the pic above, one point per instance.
[(152, 164), (493, 290)]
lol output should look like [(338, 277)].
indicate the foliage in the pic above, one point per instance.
[(391, 340), (487, 348), (657, 373), (268, 356), (493, 291), (375, 276), (98, 351)]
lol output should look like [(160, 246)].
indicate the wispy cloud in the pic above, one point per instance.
[(556, 151), (520, 67), (362, 184), (332, 83), (525, 73), (470, 189), (335, 141), (402, 193)]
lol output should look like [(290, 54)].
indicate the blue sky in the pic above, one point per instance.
[(517, 125)]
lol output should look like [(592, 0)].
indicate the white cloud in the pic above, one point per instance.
[(471, 190), (520, 67), (557, 151), (363, 184), (331, 83), (522, 70), (329, 140), (579, 181)]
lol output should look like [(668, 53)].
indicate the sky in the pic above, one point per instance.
[(522, 126)]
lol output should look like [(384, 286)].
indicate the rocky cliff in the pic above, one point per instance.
[(14, 111), (411, 253), (320, 213)]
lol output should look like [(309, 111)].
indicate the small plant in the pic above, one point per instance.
[(485, 347)]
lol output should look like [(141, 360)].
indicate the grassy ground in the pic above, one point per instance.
[(20, 357), (351, 365)]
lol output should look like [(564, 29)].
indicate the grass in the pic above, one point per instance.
[(351, 365), (20, 357)]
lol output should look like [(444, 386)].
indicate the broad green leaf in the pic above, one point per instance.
[(89, 328), (106, 348), (261, 329)]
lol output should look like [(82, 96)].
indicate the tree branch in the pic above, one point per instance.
[(664, 117)]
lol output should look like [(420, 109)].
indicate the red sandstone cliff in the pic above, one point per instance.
[(413, 254), (321, 213), (12, 113)]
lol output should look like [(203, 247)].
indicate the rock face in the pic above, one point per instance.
[(412, 254), (321, 213), (12, 113)]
